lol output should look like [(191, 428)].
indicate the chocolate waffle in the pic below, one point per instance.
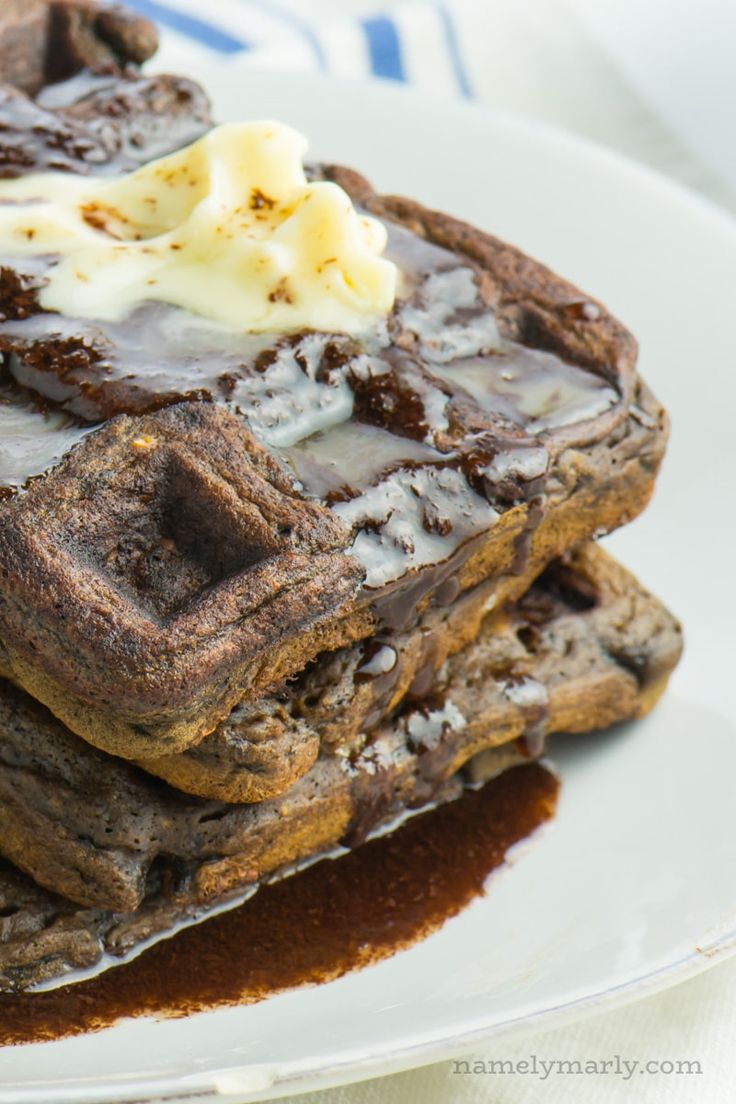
[(265, 592), (584, 648), (495, 421), (265, 745), (45, 41)]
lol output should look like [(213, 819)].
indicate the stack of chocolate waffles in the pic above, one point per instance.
[(262, 594)]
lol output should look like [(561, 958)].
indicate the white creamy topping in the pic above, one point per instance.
[(289, 403), (428, 729), (527, 693), (518, 463), (437, 321), (394, 533), (228, 228)]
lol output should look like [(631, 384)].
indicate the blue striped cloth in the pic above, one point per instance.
[(419, 42)]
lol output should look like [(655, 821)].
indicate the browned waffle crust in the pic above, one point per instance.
[(586, 647), (124, 679), (142, 641), (49, 40), (187, 543), (265, 745), (189, 590), (589, 642)]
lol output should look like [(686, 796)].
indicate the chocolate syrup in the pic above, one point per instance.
[(336, 916)]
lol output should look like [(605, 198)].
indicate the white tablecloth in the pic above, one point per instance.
[(574, 63)]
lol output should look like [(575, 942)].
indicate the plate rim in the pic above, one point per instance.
[(240, 1083)]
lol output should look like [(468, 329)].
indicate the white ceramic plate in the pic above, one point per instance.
[(631, 889)]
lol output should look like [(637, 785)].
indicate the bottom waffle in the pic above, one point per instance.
[(586, 647)]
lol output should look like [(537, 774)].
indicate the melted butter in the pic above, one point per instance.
[(31, 440), (287, 402), (426, 726), (345, 461), (449, 320), (414, 517), (227, 228), (530, 387)]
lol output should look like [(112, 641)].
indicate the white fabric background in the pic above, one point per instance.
[(641, 76)]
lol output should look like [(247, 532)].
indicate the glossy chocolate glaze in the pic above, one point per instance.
[(418, 434), (315, 926)]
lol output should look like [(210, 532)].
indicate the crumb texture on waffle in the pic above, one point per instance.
[(585, 648), (492, 421), (175, 551)]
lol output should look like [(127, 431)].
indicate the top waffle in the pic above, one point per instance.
[(235, 503)]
